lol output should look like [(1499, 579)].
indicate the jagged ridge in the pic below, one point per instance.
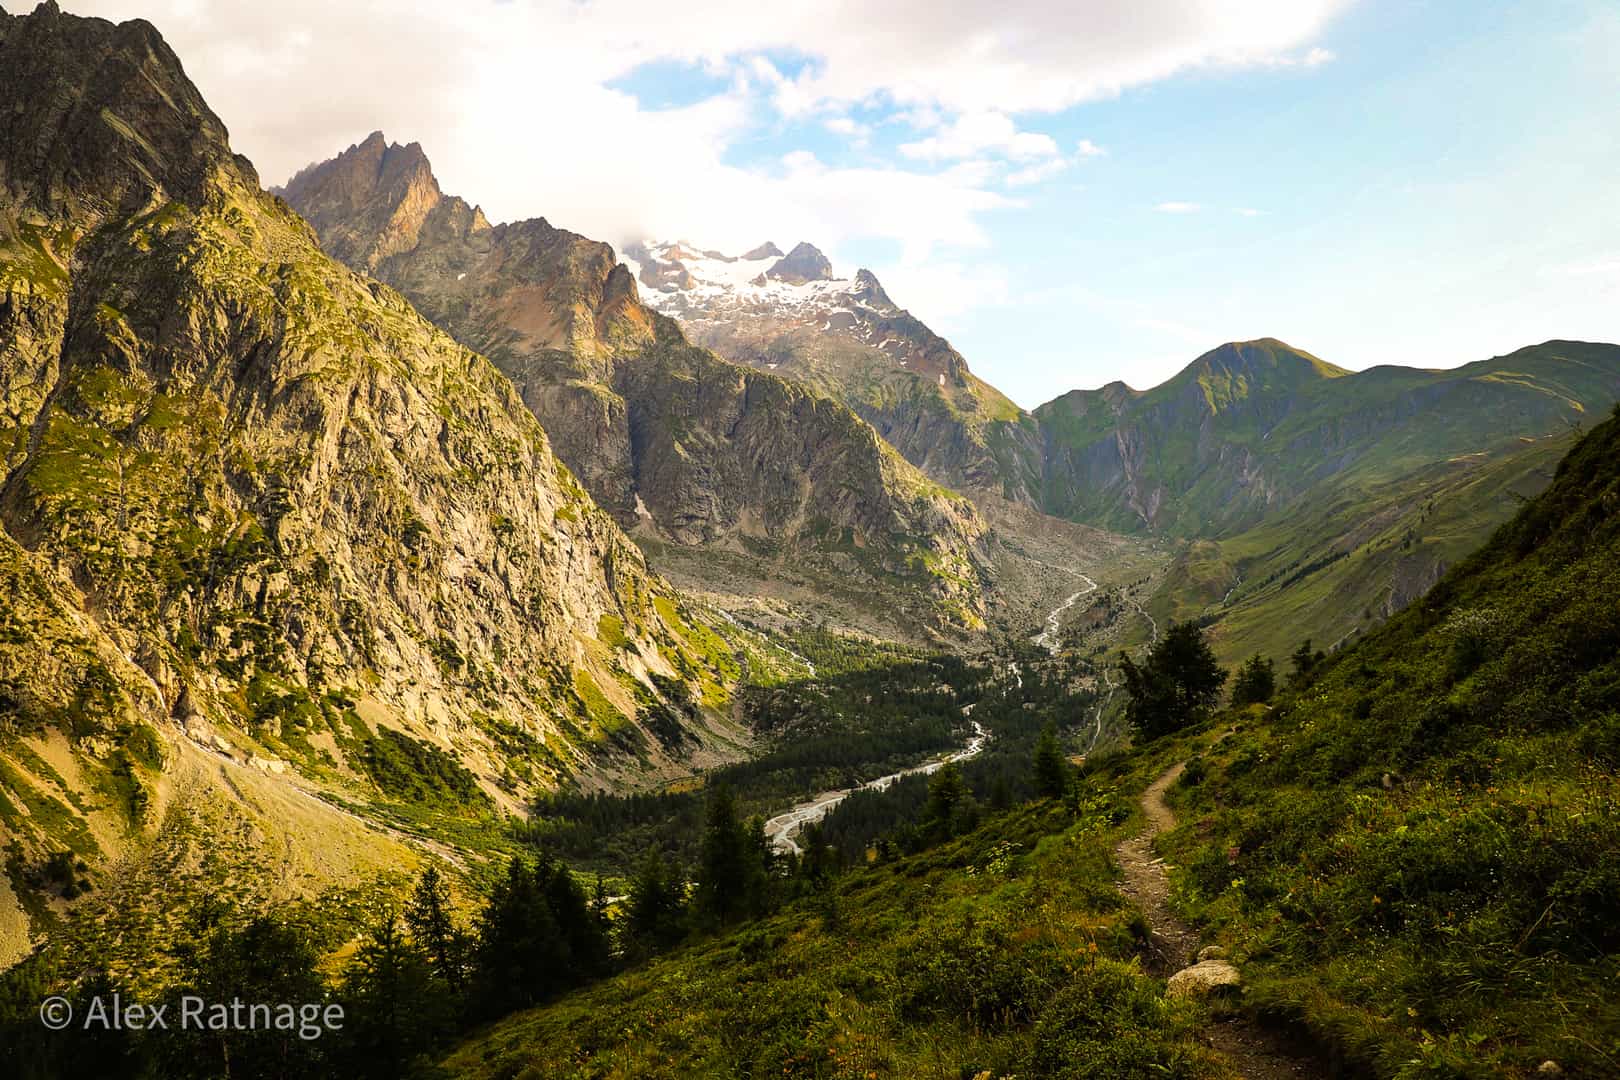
[(662, 432)]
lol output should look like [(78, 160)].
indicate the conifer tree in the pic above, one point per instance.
[(723, 878), (1051, 768), (1175, 686), (1255, 683), (432, 927), (656, 908), (397, 1008)]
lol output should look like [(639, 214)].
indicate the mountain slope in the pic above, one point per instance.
[(267, 517), (1249, 427), (849, 340), (664, 434), (1311, 501), (1415, 855)]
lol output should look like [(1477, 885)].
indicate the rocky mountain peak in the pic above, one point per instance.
[(767, 250), (805, 263), (869, 291), (380, 192), (104, 119)]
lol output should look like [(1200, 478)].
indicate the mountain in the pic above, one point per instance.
[(687, 448), (1303, 499), (1316, 501), (1408, 857), (1250, 427), (270, 539), (848, 339)]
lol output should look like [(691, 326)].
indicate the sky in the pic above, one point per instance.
[(1073, 193)]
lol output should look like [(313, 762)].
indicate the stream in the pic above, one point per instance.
[(1048, 638)]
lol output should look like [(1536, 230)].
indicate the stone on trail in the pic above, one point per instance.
[(1203, 978)]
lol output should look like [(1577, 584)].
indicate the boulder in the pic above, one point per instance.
[(1211, 952), (1204, 977)]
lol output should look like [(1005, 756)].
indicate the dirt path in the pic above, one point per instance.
[(1254, 1052)]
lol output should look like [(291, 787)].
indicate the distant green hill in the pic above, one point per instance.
[(1251, 428), (1317, 502)]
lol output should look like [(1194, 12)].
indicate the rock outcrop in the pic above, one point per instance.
[(805, 263), (255, 506), (849, 340), (1203, 978), (663, 433)]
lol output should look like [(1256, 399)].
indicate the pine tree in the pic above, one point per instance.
[(1175, 686), (583, 934), (263, 960), (1255, 683), (656, 908), (523, 957), (1051, 769), (1305, 663), (947, 807), (397, 1008), (434, 930), (723, 878)]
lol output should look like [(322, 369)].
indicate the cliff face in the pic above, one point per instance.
[(254, 503), (666, 435)]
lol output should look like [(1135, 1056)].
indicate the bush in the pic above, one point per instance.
[(1109, 1024)]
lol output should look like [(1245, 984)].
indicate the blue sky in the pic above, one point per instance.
[(1071, 193)]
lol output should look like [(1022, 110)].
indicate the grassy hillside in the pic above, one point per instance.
[(1005, 952), (1257, 428), (1345, 562), (1418, 855), (1414, 857)]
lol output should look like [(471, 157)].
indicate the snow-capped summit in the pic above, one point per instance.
[(743, 305), (794, 315)]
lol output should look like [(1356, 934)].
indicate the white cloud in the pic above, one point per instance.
[(1175, 207), (1602, 266), (946, 290), (515, 102), (858, 134), (979, 133), (1086, 148), (1313, 57), (1034, 174)]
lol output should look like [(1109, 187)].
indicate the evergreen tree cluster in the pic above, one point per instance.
[(1175, 686)]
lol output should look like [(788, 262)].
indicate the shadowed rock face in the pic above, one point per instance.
[(710, 452), (248, 490), (804, 263), (849, 340)]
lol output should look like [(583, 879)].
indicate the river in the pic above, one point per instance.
[(780, 829)]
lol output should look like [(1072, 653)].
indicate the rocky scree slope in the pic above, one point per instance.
[(665, 434), (252, 497)]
